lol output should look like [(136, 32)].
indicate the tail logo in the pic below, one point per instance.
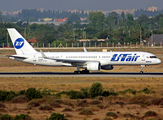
[(19, 43)]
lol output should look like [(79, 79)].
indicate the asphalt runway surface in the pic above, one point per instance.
[(71, 74)]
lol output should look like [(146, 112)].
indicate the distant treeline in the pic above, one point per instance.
[(34, 14), (115, 28)]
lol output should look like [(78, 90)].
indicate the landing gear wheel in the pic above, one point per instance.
[(141, 72), (85, 71), (75, 72)]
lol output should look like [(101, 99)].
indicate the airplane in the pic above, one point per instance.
[(89, 61)]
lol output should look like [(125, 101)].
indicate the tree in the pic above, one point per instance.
[(102, 34), (123, 17), (112, 19), (1, 16), (130, 20), (161, 23), (73, 18), (96, 20)]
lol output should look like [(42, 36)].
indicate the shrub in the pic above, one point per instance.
[(45, 92), (112, 114), (63, 92), (22, 92), (2, 105), (22, 117), (85, 92), (96, 90), (34, 103), (57, 116), (3, 110), (76, 95), (32, 93), (142, 99), (67, 110), (95, 102), (45, 107), (6, 117), (100, 98), (105, 93), (4, 95), (55, 105), (10, 95), (101, 106), (68, 115), (128, 91), (86, 112), (59, 101), (107, 119), (147, 91), (112, 92), (150, 114), (20, 99), (158, 101), (128, 115), (82, 103), (68, 103)]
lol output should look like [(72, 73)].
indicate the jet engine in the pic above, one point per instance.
[(107, 67), (93, 66)]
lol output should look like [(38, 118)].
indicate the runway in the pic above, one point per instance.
[(71, 74)]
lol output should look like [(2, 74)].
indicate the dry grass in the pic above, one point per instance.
[(60, 84), (109, 104)]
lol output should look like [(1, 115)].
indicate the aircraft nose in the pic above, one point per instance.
[(158, 61)]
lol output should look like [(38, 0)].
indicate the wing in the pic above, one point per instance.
[(73, 62)]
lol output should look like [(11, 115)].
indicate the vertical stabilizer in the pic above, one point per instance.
[(20, 44)]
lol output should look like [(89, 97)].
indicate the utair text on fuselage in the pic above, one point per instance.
[(125, 57)]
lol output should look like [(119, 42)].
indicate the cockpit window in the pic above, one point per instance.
[(153, 57)]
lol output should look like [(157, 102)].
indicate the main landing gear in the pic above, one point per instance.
[(142, 68), (81, 72)]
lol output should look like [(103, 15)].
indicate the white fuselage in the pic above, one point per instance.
[(105, 58)]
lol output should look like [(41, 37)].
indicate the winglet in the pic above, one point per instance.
[(43, 55), (85, 50)]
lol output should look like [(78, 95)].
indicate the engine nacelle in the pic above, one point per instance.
[(93, 66), (107, 67)]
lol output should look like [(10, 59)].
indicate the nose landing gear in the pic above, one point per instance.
[(142, 68)]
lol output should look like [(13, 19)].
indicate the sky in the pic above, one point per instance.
[(104, 5)]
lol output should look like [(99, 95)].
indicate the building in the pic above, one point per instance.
[(32, 41), (155, 39), (82, 19), (47, 19), (61, 20), (152, 9)]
